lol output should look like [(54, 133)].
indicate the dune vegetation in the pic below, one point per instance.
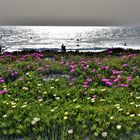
[(70, 96)]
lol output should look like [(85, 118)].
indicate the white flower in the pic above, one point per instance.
[(14, 106), (117, 105), (77, 106), (101, 100), (36, 119), (5, 115), (39, 84), (92, 100), (103, 89), (68, 94), (127, 113), (74, 100), (23, 106), (92, 89), (132, 115), (40, 100), (138, 105), (56, 80), (104, 134), (57, 98), (70, 131), (13, 103), (65, 117), (138, 97), (54, 95), (45, 92), (66, 113), (120, 109), (118, 127), (52, 110), (132, 103), (51, 87), (25, 88), (139, 115), (111, 118)]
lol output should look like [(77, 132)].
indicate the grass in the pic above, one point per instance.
[(99, 100)]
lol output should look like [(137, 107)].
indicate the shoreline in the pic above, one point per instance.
[(80, 51)]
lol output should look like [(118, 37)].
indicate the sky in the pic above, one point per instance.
[(70, 12)]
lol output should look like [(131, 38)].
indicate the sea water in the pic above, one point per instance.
[(86, 38)]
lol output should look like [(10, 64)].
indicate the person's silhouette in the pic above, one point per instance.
[(63, 48)]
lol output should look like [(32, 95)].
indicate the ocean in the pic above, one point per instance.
[(86, 38)]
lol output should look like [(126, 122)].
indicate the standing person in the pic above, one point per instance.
[(63, 48), (0, 44)]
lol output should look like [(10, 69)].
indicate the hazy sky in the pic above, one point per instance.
[(69, 12)]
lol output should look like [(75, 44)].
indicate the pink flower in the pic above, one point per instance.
[(85, 92), (84, 86), (124, 65), (89, 80), (85, 83), (3, 91), (41, 68), (62, 62), (2, 80), (93, 70), (129, 78), (112, 77), (124, 85), (47, 66), (109, 83), (73, 70), (94, 96), (20, 79), (105, 80), (116, 80)]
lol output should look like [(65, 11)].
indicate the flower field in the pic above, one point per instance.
[(70, 96)]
